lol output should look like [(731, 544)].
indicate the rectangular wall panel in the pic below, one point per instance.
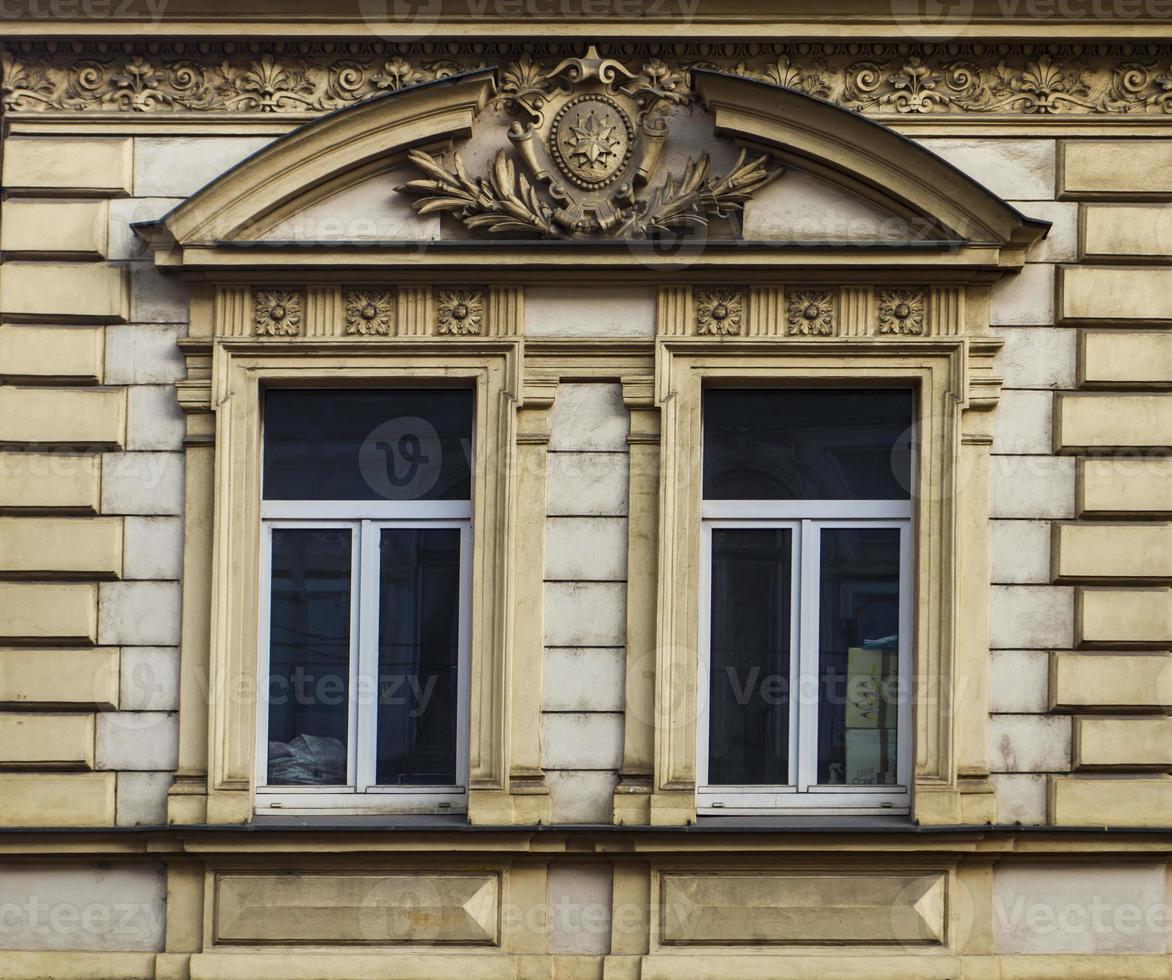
[(770, 908), (424, 908)]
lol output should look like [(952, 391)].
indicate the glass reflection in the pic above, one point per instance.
[(309, 656), (858, 658), (418, 647), (807, 444), (749, 681), (369, 444)]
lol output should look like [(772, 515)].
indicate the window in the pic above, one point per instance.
[(805, 601), (366, 512)]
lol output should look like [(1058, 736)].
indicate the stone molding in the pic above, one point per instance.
[(882, 79)]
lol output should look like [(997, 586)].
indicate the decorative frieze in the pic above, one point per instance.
[(459, 312), (901, 311), (277, 312), (810, 312), (876, 79), (370, 311), (719, 312)]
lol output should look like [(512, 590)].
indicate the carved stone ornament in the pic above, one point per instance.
[(277, 312), (459, 312), (589, 143), (369, 311), (901, 311), (810, 312), (719, 312), (884, 79)]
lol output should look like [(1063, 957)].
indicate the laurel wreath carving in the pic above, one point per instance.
[(507, 202)]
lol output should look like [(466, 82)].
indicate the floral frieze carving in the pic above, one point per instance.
[(277, 312), (901, 311), (459, 312), (810, 312), (719, 312), (877, 79), (369, 311)]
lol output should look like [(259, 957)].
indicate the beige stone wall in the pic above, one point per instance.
[(91, 549), (585, 601), (91, 481)]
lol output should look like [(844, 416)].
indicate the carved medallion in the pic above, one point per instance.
[(592, 139), (810, 312), (277, 312), (586, 153), (901, 311), (369, 311), (459, 312), (719, 312)]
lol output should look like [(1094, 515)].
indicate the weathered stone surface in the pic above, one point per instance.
[(590, 311), (139, 613), (762, 908), (85, 906), (1124, 616), (581, 740), (1030, 617), (142, 483), (177, 167), (44, 612), (1044, 910), (75, 229), (1022, 169), (425, 907), (63, 417), (1029, 743), (52, 164), (588, 417)]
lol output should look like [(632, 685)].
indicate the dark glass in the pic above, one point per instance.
[(858, 659), (370, 444), (749, 679), (418, 645), (807, 444), (309, 657)]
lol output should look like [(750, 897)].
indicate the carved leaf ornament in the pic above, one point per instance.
[(590, 151)]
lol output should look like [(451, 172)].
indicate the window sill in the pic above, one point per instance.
[(774, 821)]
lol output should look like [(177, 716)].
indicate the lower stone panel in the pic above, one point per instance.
[(587, 906)]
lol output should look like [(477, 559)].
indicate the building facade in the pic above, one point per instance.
[(585, 494)]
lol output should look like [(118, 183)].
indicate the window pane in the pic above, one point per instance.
[(858, 659), (418, 646), (749, 681), (309, 656), (807, 444), (381, 444)]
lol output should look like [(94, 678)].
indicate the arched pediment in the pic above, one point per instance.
[(588, 153)]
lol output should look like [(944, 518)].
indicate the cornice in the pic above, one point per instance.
[(901, 83)]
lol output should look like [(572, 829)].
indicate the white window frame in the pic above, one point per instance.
[(361, 793), (806, 519)]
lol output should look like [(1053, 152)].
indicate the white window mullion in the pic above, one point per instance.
[(463, 655), (352, 740), (365, 695), (265, 643), (809, 695), (906, 677), (797, 542)]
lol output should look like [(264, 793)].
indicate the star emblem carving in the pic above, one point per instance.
[(592, 140)]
